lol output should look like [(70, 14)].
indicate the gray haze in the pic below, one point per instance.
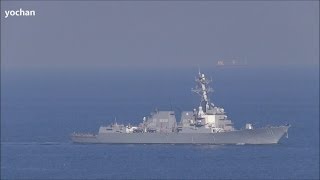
[(159, 34)]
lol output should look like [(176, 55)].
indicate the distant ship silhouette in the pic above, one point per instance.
[(231, 63)]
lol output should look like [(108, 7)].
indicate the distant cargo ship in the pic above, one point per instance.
[(231, 63), (208, 124)]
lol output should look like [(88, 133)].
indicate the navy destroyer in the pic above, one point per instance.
[(207, 124)]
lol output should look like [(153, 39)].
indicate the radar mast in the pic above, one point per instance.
[(203, 89)]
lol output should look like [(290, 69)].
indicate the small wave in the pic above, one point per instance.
[(240, 144), (34, 143)]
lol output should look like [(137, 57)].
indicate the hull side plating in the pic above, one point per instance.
[(269, 135)]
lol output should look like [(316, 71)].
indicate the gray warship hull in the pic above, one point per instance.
[(208, 124), (267, 135)]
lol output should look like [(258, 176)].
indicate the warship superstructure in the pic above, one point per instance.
[(207, 124)]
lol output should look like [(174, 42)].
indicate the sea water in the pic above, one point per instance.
[(40, 108)]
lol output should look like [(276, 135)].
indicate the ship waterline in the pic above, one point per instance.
[(270, 135), (208, 124)]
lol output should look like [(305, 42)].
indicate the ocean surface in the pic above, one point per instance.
[(40, 108)]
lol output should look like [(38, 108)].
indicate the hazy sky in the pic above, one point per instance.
[(159, 34)]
